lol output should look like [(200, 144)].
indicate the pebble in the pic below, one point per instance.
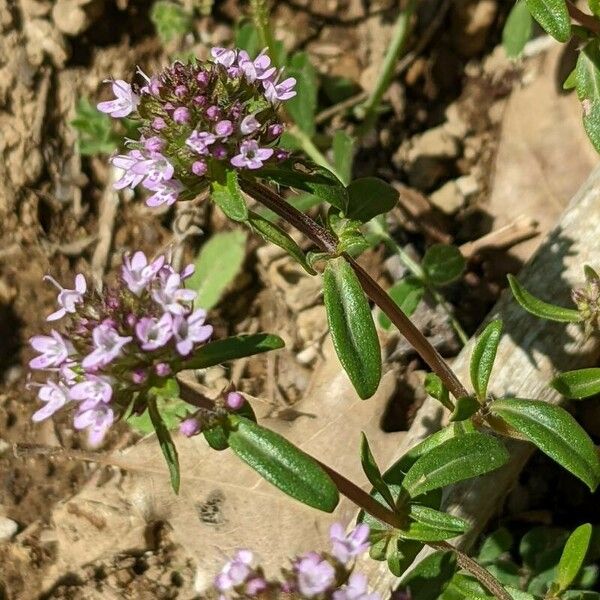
[(448, 198), (8, 528)]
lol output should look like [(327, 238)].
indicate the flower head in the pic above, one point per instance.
[(96, 418), (251, 156), (67, 299), (235, 572), (190, 330), (54, 350), (346, 547), (108, 344), (125, 102), (55, 395), (314, 574), (137, 272), (356, 589)]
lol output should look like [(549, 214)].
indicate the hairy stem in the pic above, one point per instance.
[(327, 243), (587, 21)]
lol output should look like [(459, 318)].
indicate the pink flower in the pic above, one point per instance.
[(259, 68), (191, 330), (200, 140), (190, 427), (130, 164), (223, 56), (67, 299), (314, 574), (181, 115), (156, 170), (154, 144), (96, 418), (54, 350), (280, 92), (55, 395), (107, 346), (166, 193), (249, 125), (92, 390), (345, 547), (137, 273), (356, 589), (224, 128), (125, 103), (234, 400), (171, 295), (199, 168), (251, 156), (154, 333), (235, 572)]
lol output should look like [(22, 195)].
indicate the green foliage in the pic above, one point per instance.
[(217, 264), (483, 357), (553, 16), (539, 308), (406, 294), (431, 576), (95, 133), (573, 557), (351, 326), (231, 348), (227, 195), (466, 407), (587, 75), (443, 264), (170, 20), (369, 197), (166, 443), (373, 473), (436, 389), (517, 30), (454, 460), (303, 106), (578, 384), (555, 432), (282, 464), (343, 154)]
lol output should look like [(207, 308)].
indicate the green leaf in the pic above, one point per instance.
[(343, 154), (436, 389), (483, 357), (247, 38), (351, 326), (578, 384), (573, 556), (539, 308), (439, 520), (406, 294), (94, 130), (282, 464), (454, 460), (303, 105), (170, 20), (465, 408), (218, 263), (553, 16), (594, 7), (227, 195), (271, 232), (320, 182), (555, 432), (465, 586), (570, 83), (401, 554), (231, 348), (580, 595), (369, 197), (517, 30), (373, 473), (430, 577), (588, 89), (495, 545), (166, 444), (443, 264)]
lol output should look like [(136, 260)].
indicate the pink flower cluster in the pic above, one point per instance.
[(195, 116), (116, 343), (312, 575)]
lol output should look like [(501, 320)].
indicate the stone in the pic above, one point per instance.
[(8, 528), (448, 198)]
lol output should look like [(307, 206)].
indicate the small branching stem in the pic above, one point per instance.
[(587, 21), (327, 243)]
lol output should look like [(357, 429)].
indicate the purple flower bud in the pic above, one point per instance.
[(199, 168), (281, 154), (190, 427), (158, 123), (203, 78), (224, 128), (131, 320), (154, 144), (139, 376), (219, 152), (199, 100), (234, 400), (181, 91), (162, 369), (275, 130), (181, 115), (213, 113)]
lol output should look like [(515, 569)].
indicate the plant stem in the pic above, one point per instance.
[(327, 243), (260, 16), (309, 148), (588, 21), (416, 269), (396, 47)]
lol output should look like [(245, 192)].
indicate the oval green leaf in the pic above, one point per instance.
[(351, 326), (231, 348), (539, 308), (573, 556), (282, 464), (443, 264), (555, 432), (553, 16), (587, 76), (406, 294), (483, 357), (578, 384), (517, 30), (437, 519), (228, 196), (429, 579), (369, 197), (454, 460)]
